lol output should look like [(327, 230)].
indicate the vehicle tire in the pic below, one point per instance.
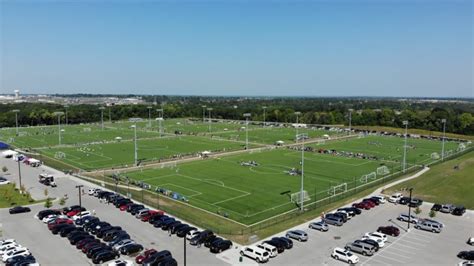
[(258, 260), (350, 262), (116, 257), (393, 234), (241, 253), (336, 257), (101, 261), (364, 253), (434, 231)]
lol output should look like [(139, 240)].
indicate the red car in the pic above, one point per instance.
[(124, 207), (145, 255), (371, 202), (150, 214), (59, 221), (389, 230), (361, 205)]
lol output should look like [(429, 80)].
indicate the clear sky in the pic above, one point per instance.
[(239, 47)]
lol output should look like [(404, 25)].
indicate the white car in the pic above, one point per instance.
[(378, 240), (192, 234), (470, 241), (395, 197), (405, 218), (121, 262), (380, 198), (9, 247), (253, 252), (122, 243), (53, 217), (466, 263), (4, 182), (7, 241), (92, 191), (379, 235), (272, 251), (81, 214), (344, 255), (16, 252)]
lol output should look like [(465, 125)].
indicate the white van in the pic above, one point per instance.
[(256, 253), (272, 251), (395, 197)]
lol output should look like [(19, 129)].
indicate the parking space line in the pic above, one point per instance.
[(411, 242), (393, 243), (390, 258), (417, 239), (396, 254), (424, 236), (403, 250), (378, 262)]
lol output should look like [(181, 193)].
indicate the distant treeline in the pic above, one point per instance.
[(367, 111)]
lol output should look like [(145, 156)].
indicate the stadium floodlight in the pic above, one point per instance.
[(160, 120), (209, 110), (247, 115), (203, 112), (264, 115), (302, 136), (149, 115), (297, 115), (66, 107), (160, 112), (444, 136), (102, 117), (135, 143), (110, 114), (404, 166), (16, 111), (350, 120), (59, 114)]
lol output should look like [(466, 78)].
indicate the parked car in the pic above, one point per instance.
[(372, 200), (210, 240), (362, 205), (157, 257), (470, 241), (220, 245), (113, 234), (459, 211), (395, 197), (404, 200), (436, 207), (405, 218), (376, 235), (144, 255), (374, 243), (380, 198), (199, 239), (333, 220), (466, 255), (342, 215), (122, 243), (105, 256), (56, 229), (321, 226), (286, 241), (16, 252), (429, 226), (131, 249), (272, 250), (361, 247), (255, 253), (389, 230), (299, 235), (414, 203), (191, 234), (168, 224), (278, 244), (344, 255), (81, 214), (21, 260), (97, 249), (47, 212), (75, 211), (19, 209), (447, 208), (183, 231), (120, 262)]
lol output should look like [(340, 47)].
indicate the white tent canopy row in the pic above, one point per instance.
[(9, 153)]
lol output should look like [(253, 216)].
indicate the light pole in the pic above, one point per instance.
[(404, 166), (444, 136), (160, 129), (302, 136), (247, 115), (19, 174), (264, 115), (110, 114), (409, 209), (209, 110), (80, 199), (102, 117), (135, 143), (16, 111), (350, 120), (149, 116), (66, 107), (59, 114), (297, 114), (203, 112)]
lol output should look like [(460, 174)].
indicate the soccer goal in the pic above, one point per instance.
[(168, 165), (435, 156), (22, 134), (86, 129), (383, 170), (461, 147), (10, 140), (448, 153), (336, 190), (296, 197), (59, 155), (367, 177)]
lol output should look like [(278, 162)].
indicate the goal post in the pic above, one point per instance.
[(435, 156), (296, 197), (366, 178), (338, 189), (383, 170)]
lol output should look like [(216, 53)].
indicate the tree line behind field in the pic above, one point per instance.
[(389, 112)]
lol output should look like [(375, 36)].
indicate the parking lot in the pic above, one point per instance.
[(413, 247)]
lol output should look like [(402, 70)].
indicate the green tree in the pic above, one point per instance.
[(48, 203), (432, 214), (62, 201), (4, 169), (417, 210)]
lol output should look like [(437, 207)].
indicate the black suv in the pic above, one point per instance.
[(459, 211), (220, 245), (404, 200), (279, 245), (436, 207), (203, 236)]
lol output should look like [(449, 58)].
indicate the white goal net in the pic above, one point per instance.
[(86, 129), (336, 190), (168, 165), (383, 170), (366, 178), (435, 156), (461, 147), (59, 155), (296, 197), (22, 134)]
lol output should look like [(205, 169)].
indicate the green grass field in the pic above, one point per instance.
[(443, 183), (10, 197)]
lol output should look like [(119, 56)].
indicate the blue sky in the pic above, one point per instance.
[(295, 48)]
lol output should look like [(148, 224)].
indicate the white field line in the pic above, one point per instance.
[(196, 193), (222, 201)]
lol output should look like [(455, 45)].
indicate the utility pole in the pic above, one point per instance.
[(160, 129), (350, 120), (303, 137), (135, 143), (209, 110), (404, 166), (110, 114), (66, 107), (297, 114), (16, 111), (149, 116), (264, 115), (19, 174), (184, 248), (409, 209), (59, 114), (203, 112), (80, 199), (102, 116), (247, 115), (444, 137)]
